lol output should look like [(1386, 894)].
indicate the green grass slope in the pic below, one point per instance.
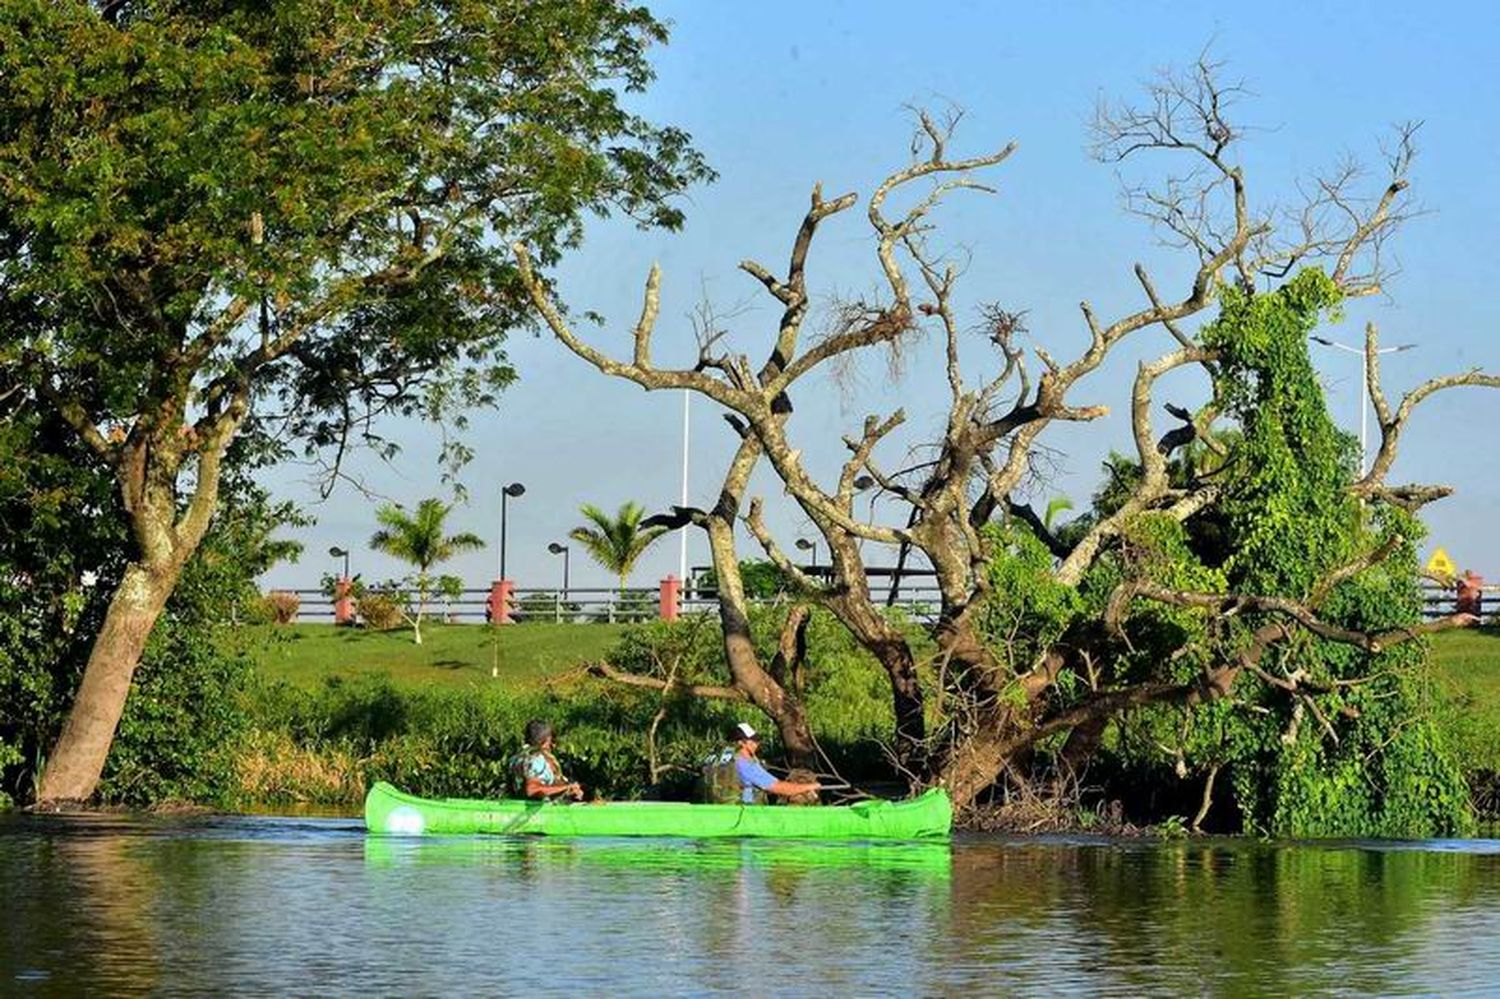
[(453, 655)]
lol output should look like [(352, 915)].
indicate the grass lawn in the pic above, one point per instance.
[(1467, 664), (450, 654)]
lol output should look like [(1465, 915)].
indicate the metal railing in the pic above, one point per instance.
[(578, 605), (589, 605)]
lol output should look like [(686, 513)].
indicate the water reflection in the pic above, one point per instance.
[(268, 905)]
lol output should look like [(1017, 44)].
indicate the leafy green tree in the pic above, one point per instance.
[(617, 542), (418, 539), (219, 215), (61, 553)]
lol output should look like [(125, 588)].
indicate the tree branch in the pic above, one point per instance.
[(608, 672)]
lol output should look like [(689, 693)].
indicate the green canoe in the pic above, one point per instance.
[(388, 810)]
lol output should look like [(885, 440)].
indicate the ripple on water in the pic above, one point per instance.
[(264, 904)]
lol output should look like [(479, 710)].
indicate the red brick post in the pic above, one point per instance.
[(1470, 594), (501, 602), (343, 602), (669, 605)]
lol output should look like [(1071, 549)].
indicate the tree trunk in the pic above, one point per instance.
[(764, 692), (72, 771), (783, 706), (906, 703), (416, 624), (978, 758)]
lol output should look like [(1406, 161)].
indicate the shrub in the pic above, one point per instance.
[(544, 605), (272, 767), (380, 611), (635, 604), (178, 736), (282, 606)]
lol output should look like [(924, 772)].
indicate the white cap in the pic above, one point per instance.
[(745, 731)]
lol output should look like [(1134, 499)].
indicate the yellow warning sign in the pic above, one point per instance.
[(1441, 565)]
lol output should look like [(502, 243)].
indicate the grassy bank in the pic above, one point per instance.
[(334, 709), (1467, 666), (337, 708)]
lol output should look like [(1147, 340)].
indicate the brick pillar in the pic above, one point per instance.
[(1470, 595), (343, 602), (501, 602), (670, 603)]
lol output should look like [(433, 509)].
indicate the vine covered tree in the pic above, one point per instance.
[(1242, 594), (418, 539), (287, 215)]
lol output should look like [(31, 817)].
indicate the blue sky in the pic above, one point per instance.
[(782, 95)]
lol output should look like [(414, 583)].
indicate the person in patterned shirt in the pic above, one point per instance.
[(535, 772)]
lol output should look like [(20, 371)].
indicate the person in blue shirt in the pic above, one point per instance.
[(752, 776)]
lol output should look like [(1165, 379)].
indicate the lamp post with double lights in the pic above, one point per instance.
[(1364, 387)]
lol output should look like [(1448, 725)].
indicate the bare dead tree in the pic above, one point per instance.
[(996, 708)]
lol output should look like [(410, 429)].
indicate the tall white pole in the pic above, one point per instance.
[(682, 551), (1364, 388), (1364, 416)]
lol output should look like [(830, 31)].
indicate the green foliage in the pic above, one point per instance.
[(633, 604), (456, 742), (1027, 610), (171, 157), (544, 605), (617, 542), (217, 218), (1373, 764), (418, 538), (328, 742), (1289, 510), (1357, 750), (846, 692), (60, 555), (51, 495), (761, 579), (178, 736)]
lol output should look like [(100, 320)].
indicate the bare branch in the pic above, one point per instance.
[(647, 377), (1154, 483), (1392, 425), (608, 672)]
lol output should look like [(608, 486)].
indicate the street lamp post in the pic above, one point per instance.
[(343, 605), (559, 549), (683, 540), (1364, 388), (812, 546), (514, 489)]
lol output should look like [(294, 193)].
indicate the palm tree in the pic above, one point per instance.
[(616, 542), (419, 540)]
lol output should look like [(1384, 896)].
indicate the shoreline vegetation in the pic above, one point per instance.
[(329, 710)]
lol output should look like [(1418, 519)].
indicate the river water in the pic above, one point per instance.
[(260, 905)]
